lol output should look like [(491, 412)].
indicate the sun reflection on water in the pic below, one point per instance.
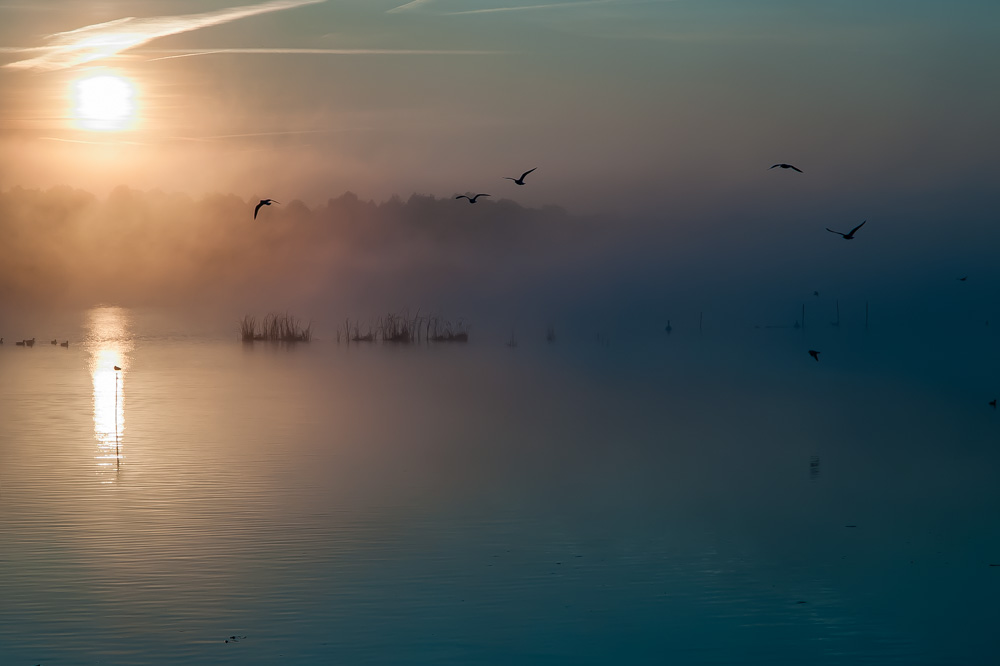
[(109, 341)]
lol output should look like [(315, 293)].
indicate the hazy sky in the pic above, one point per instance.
[(623, 105)]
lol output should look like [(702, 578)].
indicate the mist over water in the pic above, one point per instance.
[(632, 497), (734, 262)]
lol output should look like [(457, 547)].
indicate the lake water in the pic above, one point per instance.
[(683, 499)]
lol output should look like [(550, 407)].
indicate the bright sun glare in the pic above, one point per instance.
[(104, 102)]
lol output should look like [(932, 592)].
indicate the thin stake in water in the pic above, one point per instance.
[(118, 460)]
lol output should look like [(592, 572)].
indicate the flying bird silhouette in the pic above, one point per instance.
[(471, 199), (814, 354), (520, 181), (263, 202), (786, 166), (849, 235)]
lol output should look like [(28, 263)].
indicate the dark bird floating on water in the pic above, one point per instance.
[(849, 235), (963, 279), (786, 166), (64, 344), (263, 202), (993, 403), (55, 342), (472, 199), (814, 354), (668, 327), (117, 368), (520, 181)]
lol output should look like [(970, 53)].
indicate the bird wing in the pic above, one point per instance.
[(462, 196), (795, 167), (509, 178), (772, 167), (480, 195), (257, 208), (527, 172), (857, 227), (834, 232)]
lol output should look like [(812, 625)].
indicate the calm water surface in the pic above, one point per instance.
[(682, 499)]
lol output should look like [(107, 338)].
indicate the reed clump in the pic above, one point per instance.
[(444, 331), (401, 328), (404, 328), (355, 334), (274, 328)]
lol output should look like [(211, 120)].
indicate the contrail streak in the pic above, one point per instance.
[(408, 6), (280, 51), (103, 40), (521, 8), (93, 143), (247, 135)]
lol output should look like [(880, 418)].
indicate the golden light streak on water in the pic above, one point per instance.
[(109, 341)]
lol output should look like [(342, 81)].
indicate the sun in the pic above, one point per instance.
[(105, 102)]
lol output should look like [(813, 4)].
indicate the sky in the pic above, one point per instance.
[(662, 116), (137, 135), (623, 105)]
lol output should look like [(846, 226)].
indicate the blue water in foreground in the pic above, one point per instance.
[(682, 499)]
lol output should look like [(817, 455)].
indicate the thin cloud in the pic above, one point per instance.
[(204, 139), (103, 40), (521, 8), (92, 143), (248, 135), (280, 51)]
